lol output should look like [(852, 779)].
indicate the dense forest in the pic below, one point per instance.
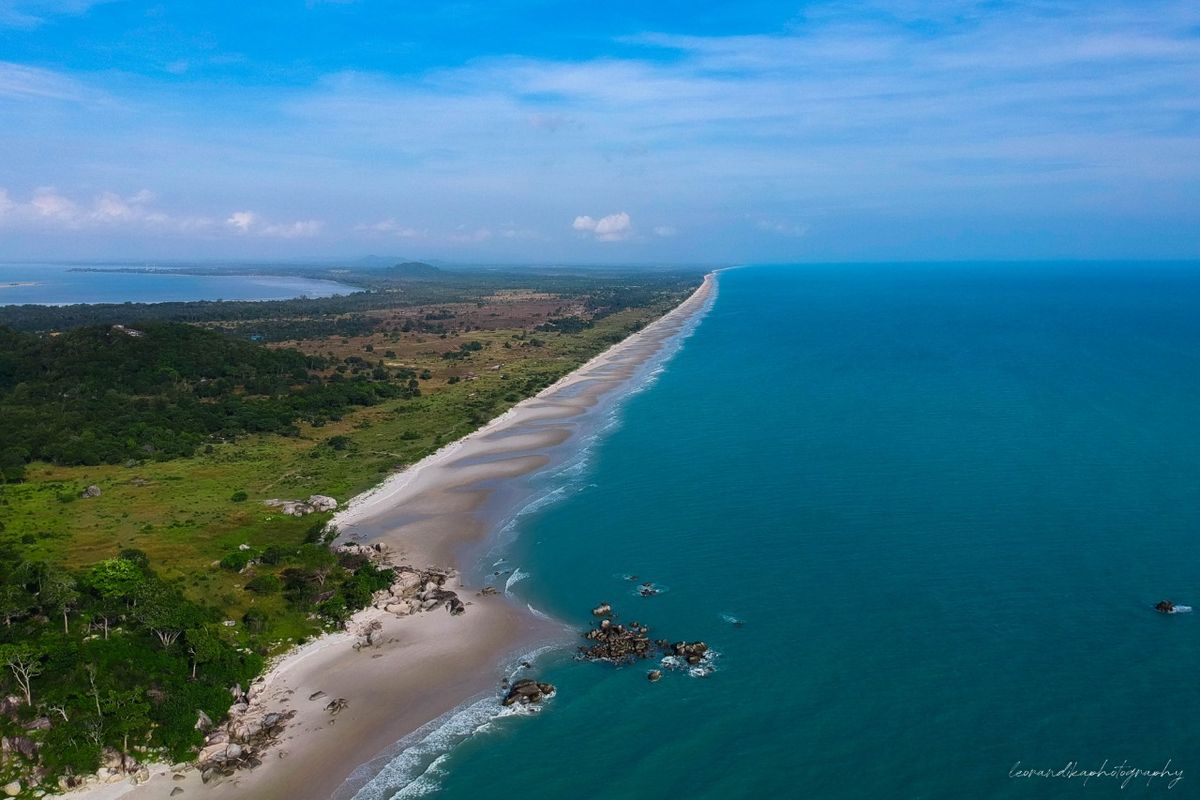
[(109, 394), (113, 660)]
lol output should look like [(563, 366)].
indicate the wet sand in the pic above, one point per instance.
[(428, 664)]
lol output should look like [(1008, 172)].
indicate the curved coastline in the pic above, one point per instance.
[(438, 512)]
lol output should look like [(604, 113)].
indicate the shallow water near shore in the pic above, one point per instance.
[(941, 499)]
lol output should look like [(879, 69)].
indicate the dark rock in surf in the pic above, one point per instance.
[(528, 691)]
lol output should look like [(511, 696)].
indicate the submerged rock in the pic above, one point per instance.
[(654, 675)]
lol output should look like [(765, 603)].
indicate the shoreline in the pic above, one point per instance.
[(429, 515)]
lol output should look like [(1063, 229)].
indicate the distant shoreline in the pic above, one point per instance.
[(431, 513), (18, 284)]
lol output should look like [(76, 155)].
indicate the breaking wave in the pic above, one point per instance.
[(706, 667), (415, 771), (417, 763), (514, 579)]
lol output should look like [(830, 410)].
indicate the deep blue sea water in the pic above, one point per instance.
[(943, 499), (58, 284)]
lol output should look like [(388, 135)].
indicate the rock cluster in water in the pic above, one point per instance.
[(527, 691), (625, 644)]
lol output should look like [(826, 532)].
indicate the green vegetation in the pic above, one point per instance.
[(128, 611), (110, 657), (110, 394), (114, 656)]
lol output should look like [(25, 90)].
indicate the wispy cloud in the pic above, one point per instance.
[(856, 126), (391, 227), (22, 82), (32, 13), (248, 222)]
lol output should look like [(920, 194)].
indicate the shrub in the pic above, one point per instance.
[(273, 555), (136, 556), (236, 561), (239, 497), (264, 584), (255, 621)]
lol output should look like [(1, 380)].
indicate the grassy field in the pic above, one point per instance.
[(183, 514)]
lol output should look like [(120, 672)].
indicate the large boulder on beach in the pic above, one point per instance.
[(321, 502), (406, 583)]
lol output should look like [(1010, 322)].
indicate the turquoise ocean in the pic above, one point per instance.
[(942, 500)]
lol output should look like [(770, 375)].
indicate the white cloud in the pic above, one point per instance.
[(47, 208), (665, 231), (248, 222), (242, 220), (49, 204), (612, 228), (858, 124)]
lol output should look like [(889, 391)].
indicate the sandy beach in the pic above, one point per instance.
[(424, 665)]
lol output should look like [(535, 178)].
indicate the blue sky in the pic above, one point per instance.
[(525, 130)]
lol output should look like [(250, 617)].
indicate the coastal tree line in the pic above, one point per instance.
[(112, 659)]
